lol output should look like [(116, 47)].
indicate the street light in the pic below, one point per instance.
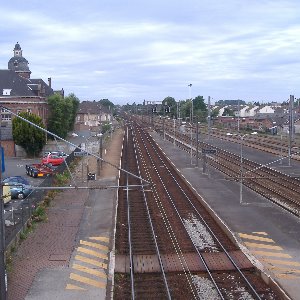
[(190, 97), (241, 162), (174, 129), (99, 161)]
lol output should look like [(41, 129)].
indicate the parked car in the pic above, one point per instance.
[(58, 153), (20, 188), (52, 159), (39, 170)]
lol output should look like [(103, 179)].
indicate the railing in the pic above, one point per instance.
[(19, 215)]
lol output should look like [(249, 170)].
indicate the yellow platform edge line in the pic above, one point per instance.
[(89, 271), (274, 254), (87, 280), (92, 252), (281, 262), (91, 261), (74, 287), (94, 245), (99, 238), (260, 232), (279, 269), (255, 238), (264, 246), (288, 276)]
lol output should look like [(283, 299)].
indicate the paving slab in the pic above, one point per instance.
[(69, 255)]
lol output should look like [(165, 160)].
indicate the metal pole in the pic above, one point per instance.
[(209, 116), (241, 171), (2, 232), (99, 161), (281, 157), (190, 97), (101, 150), (238, 116), (197, 142), (164, 134), (291, 127), (191, 143), (174, 131)]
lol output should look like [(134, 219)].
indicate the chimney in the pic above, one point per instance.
[(49, 82)]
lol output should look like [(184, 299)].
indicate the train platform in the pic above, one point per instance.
[(68, 257), (268, 235)]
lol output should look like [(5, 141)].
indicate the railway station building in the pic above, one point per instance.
[(21, 93)]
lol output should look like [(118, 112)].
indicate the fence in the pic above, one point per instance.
[(21, 210)]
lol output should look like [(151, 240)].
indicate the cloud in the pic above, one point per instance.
[(137, 50)]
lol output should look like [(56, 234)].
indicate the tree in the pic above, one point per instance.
[(110, 106), (29, 137), (105, 127), (106, 103), (200, 109), (56, 118), (62, 114), (228, 112), (169, 106), (74, 103)]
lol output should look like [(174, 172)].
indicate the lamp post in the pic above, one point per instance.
[(174, 129), (99, 161), (241, 162), (190, 97), (191, 129), (197, 142)]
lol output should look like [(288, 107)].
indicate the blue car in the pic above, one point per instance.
[(20, 188)]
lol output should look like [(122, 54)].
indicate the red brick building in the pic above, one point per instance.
[(20, 93)]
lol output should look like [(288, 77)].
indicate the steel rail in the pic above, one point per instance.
[(128, 221), (258, 167), (178, 251), (250, 286), (153, 233)]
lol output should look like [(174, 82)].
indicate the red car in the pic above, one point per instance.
[(52, 159)]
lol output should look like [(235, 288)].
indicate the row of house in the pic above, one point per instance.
[(21, 93), (267, 118)]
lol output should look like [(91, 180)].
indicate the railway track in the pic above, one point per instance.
[(278, 145), (168, 246), (278, 187)]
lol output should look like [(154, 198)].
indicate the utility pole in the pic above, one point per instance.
[(238, 116), (197, 142), (192, 108), (2, 231), (291, 126), (209, 118)]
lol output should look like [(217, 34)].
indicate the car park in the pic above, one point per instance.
[(19, 187)]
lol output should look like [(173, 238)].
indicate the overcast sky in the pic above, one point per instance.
[(128, 51)]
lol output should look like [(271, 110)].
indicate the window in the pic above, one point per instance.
[(6, 92), (5, 115), (29, 110)]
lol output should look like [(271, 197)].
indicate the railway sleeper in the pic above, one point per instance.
[(216, 261)]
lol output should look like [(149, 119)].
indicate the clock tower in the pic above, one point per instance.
[(18, 63)]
